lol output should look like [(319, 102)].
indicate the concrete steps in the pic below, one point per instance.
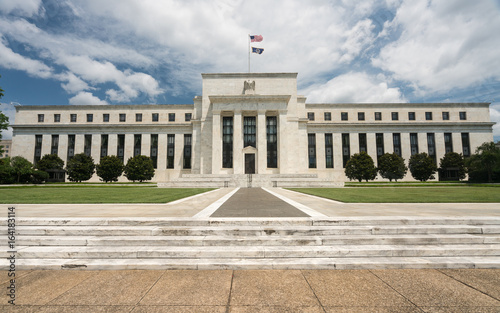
[(285, 243)]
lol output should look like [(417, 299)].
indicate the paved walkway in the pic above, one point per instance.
[(256, 291)]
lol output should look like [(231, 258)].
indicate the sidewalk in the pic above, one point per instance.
[(256, 291)]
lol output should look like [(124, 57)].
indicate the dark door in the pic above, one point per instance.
[(250, 163)]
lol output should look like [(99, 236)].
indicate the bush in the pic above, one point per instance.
[(38, 177), (22, 169), (7, 175), (109, 168), (360, 167), (452, 162), (80, 168), (422, 167), (50, 162), (484, 165), (392, 166), (139, 168)]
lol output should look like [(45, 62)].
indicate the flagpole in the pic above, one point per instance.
[(248, 53)]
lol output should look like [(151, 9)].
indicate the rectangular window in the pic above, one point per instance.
[(311, 144), (137, 144), (155, 117), (249, 131), (463, 116), (379, 141), (187, 117), (123, 117), (310, 116), (90, 118), (414, 143), (431, 146), (272, 141), (329, 150), (362, 143), (465, 145), (446, 116), (378, 116), (170, 150), (346, 149), (227, 142), (120, 153), (171, 117), (428, 116), (54, 147), (71, 147), (138, 117), (396, 141), (104, 145), (57, 118), (328, 116), (187, 151), (344, 116), (153, 153), (448, 143), (41, 117), (72, 118), (361, 116), (105, 118), (395, 116), (411, 116), (38, 148), (87, 148)]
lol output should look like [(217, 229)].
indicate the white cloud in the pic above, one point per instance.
[(20, 7), (12, 60), (495, 117), (353, 87), (86, 98), (73, 83)]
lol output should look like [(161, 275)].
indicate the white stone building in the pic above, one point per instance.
[(6, 146), (251, 123)]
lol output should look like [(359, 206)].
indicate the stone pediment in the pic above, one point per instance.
[(249, 149)]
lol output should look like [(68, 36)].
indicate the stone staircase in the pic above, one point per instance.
[(256, 243)]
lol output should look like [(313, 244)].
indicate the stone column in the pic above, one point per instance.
[(179, 152), (354, 143), (62, 152), (440, 150), (371, 148), (113, 144), (146, 144), (261, 156), (337, 151), (162, 152), (196, 151), (216, 143), (238, 162), (457, 142), (405, 146), (79, 143), (46, 144), (320, 151), (129, 148), (388, 143)]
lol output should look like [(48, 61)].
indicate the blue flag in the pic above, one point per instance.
[(257, 50)]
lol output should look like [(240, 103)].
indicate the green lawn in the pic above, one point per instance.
[(425, 194), (94, 194)]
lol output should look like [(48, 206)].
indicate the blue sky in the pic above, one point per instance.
[(107, 52)]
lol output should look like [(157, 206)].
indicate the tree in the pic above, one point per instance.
[(4, 121), (392, 166), (139, 168), (50, 162), (80, 167), (360, 167), (485, 163), (7, 175), (422, 166), (109, 168), (22, 169), (453, 161)]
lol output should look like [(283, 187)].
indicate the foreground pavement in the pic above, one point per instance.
[(443, 290)]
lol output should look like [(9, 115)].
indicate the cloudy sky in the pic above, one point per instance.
[(150, 51)]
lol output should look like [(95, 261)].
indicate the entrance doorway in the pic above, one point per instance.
[(249, 163)]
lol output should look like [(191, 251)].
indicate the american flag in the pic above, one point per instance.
[(256, 38)]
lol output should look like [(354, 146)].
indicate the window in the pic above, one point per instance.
[(310, 116), (448, 143), (414, 143), (155, 117), (465, 145), (463, 116), (90, 118), (446, 116), (170, 150), (311, 144), (153, 153), (346, 149), (87, 148), (187, 151), (329, 150), (72, 118), (411, 116), (344, 116), (431, 146), (395, 116), (105, 117), (396, 141), (249, 131), (138, 117), (171, 117), (361, 116), (187, 117), (71, 147), (57, 118), (227, 142), (137, 144), (123, 117), (378, 116), (40, 117), (38, 148), (104, 145), (379, 141), (362, 143), (328, 116), (120, 153), (55, 144), (428, 116), (272, 141)]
